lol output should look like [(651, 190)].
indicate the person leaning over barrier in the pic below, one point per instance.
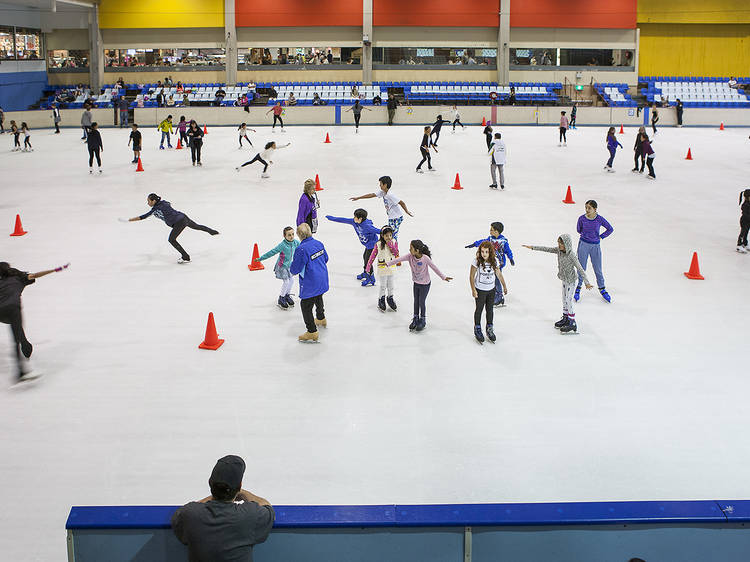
[(227, 524)]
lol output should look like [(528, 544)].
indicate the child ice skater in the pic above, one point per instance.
[(436, 128), (419, 258), (567, 264), (638, 149), (393, 204), (26, 138), (497, 161), (135, 138), (385, 250), (573, 113), (648, 154), (95, 147), (277, 111), (456, 119), (563, 130), (424, 150), (14, 130), (182, 128), (744, 221), (176, 220), (488, 136), (589, 226), (368, 235), (654, 118), (484, 274), (503, 254), (243, 128), (356, 109), (264, 158), (285, 249), (166, 129), (612, 144)]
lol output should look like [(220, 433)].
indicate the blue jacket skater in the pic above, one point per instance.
[(310, 259)]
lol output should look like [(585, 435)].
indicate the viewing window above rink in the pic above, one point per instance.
[(19, 43), (436, 56), (67, 59), (164, 57), (307, 56), (551, 57)]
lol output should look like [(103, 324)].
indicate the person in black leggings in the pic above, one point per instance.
[(488, 136), (16, 133), (424, 150), (94, 142), (744, 221), (357, 110), (12, 284), (196, 142), (654, 118), (482, 274), (436, 127), (176, 220)]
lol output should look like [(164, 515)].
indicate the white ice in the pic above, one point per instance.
[(648, 402)]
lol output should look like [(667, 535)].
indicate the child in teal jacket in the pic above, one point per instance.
[(285, 249)]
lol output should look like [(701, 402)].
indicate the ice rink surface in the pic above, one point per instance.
[(648, 402)]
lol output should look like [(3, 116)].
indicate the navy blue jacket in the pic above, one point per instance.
[(310, 259), (164, 211), (367, 232)]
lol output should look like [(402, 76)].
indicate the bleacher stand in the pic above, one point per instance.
[(615, 95), (704, 91)]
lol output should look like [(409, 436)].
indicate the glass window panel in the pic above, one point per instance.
[(6, 43), (28, 44), (67, 59)]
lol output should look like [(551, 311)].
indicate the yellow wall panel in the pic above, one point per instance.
[(694, 50), (161, 13), (693, 11)]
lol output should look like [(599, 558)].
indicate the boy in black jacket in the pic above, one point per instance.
[(94, 142)]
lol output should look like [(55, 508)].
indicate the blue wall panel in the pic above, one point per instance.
[(18, 90)]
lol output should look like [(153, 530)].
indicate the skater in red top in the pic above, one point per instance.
[(277, 111)]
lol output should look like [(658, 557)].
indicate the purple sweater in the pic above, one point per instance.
[(306, 210), (419, 272), (589, 229)]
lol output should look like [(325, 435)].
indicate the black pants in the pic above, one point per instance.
[(256, 158), (247, 139), (279, 119), (639, 156), (184, 138), (425, 156), (488, 138), (27, 142), (94, 152), (572, 120), (307, 312), (391, 114), (420, 297), (366, 257), (57, 126), (650, 164), (485, 300), (563, 137), (679, 117), (653, 124), (744, 228), (195, 150), (12, 315), (457, 121), (435, 132), (85, 132), (177, 229), (16, 142), (357, 117)]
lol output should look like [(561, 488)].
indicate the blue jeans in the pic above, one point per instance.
[(593, 251), (165, 135), (420, 298), (123, 118), (611, 156)]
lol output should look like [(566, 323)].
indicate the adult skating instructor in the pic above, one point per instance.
[(310, 259), (12, 284), (174, 219)]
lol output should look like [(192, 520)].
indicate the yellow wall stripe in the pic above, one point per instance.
[(137, 14), (693, 11)]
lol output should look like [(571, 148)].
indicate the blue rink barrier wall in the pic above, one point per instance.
[(378, 115), (685, 531)]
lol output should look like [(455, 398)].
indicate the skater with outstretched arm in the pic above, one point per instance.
[(264, 157), (567, 265), (176, 220), (285, 249), (393, 204), (12, 284), (356, 109)]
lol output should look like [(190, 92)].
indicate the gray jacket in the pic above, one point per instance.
[(86, 119), (567, 261)]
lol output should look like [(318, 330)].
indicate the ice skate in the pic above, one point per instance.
[(281, 303), (570, 328), (237, 168), (577, 294), (322, 323), (100, 170), (200, 164), (391, 303), (502, 186), (499, 301), (421, 324), (634, 170), (91, 171), (362, 275), (413, 325), (289, 301), (741, 250), (431, 169), (610, 170), (265, 175), (491, 333), (27, 377), (381, 304), (369, 280), (562, 322), (478, 334), (183, 260), (565, 145), (309, 337), (605, 294), (559, 144), (420, 171), (493, 186), (651, 177)]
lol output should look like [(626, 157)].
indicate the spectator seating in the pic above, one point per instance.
[(333, 93), (615, 95), (705, 91), (468, 91)]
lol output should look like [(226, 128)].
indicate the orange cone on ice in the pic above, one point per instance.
[(179, 144), (317, 183), (457, 183), (484, 122), (721, 127), (18, 230), (140, 166), (328, 139), (255, 264), (695, 271), (689, 155), (568, 198), (211, 341), (205, 130)]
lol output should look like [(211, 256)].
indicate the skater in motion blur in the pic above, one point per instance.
[(12, 284), (744, 222), (176, 220), (567, 264)]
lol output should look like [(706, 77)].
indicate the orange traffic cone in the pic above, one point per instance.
[(18, 231), (205, 130), (211, 340), (255, 263), (622, 130), (568, 198), (695, 271), (317, 183), (328, 139), (484, 122), (457, 183), (179, 144), (721, 127), (689, 155), (140, 166)]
